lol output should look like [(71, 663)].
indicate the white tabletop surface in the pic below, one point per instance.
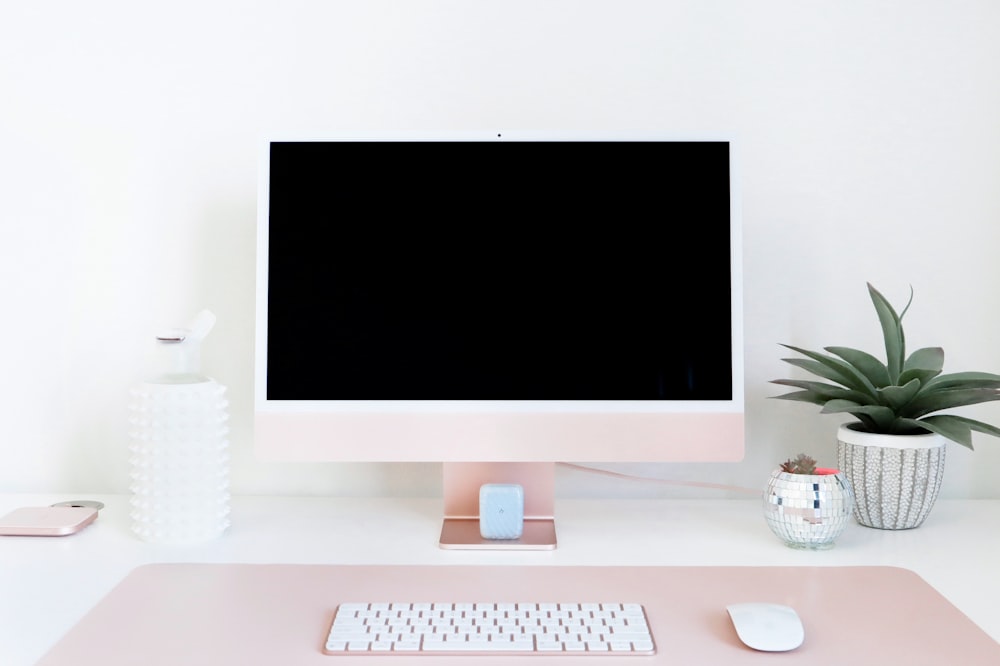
[(47, 584)]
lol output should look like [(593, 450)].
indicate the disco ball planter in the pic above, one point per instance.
[(808, 511)]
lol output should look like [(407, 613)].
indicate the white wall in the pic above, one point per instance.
[(128, 135)]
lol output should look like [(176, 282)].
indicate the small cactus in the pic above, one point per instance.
[(802, 464)]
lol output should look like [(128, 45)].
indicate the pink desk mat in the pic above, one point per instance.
[(250, 614)]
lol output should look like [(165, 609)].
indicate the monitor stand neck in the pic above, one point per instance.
[(462, 481)]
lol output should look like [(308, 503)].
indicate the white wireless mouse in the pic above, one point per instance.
[(766, 626)]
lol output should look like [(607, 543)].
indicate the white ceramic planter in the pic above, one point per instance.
[(896, 478)]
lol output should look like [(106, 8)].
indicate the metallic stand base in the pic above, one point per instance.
[(463, 534)]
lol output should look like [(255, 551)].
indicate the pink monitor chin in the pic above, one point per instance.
[(500, 447)]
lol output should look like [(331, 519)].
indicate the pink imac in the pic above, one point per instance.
[(499, 302)]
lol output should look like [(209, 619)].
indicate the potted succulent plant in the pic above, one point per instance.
[(806, 506), (893, 453)]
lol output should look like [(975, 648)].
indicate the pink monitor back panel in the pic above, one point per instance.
[(250, 614)]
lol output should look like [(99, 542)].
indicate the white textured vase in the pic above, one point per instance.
[(896, 478), (180, 461), (178, 437)]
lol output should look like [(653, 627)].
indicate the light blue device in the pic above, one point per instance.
[(501, 511)]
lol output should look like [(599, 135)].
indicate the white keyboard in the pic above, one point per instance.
[(490, 628)]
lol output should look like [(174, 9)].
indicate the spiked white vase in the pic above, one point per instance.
[(178, 439)]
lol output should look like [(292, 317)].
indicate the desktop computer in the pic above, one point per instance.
[(499, 302)]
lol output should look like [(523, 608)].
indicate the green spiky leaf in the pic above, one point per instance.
[(832, 368), (964, 380), (802, 396), (880, 415), (929, 402), (822, 390), (892, 331), (873, 369), (897, 397), (927, 358)]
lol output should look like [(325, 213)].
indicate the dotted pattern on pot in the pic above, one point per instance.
[(895, 489)]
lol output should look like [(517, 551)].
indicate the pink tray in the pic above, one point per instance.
[(251, 614)]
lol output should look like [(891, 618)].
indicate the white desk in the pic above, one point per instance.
[(47, 584)]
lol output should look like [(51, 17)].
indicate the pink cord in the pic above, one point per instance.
[(630, 477)]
